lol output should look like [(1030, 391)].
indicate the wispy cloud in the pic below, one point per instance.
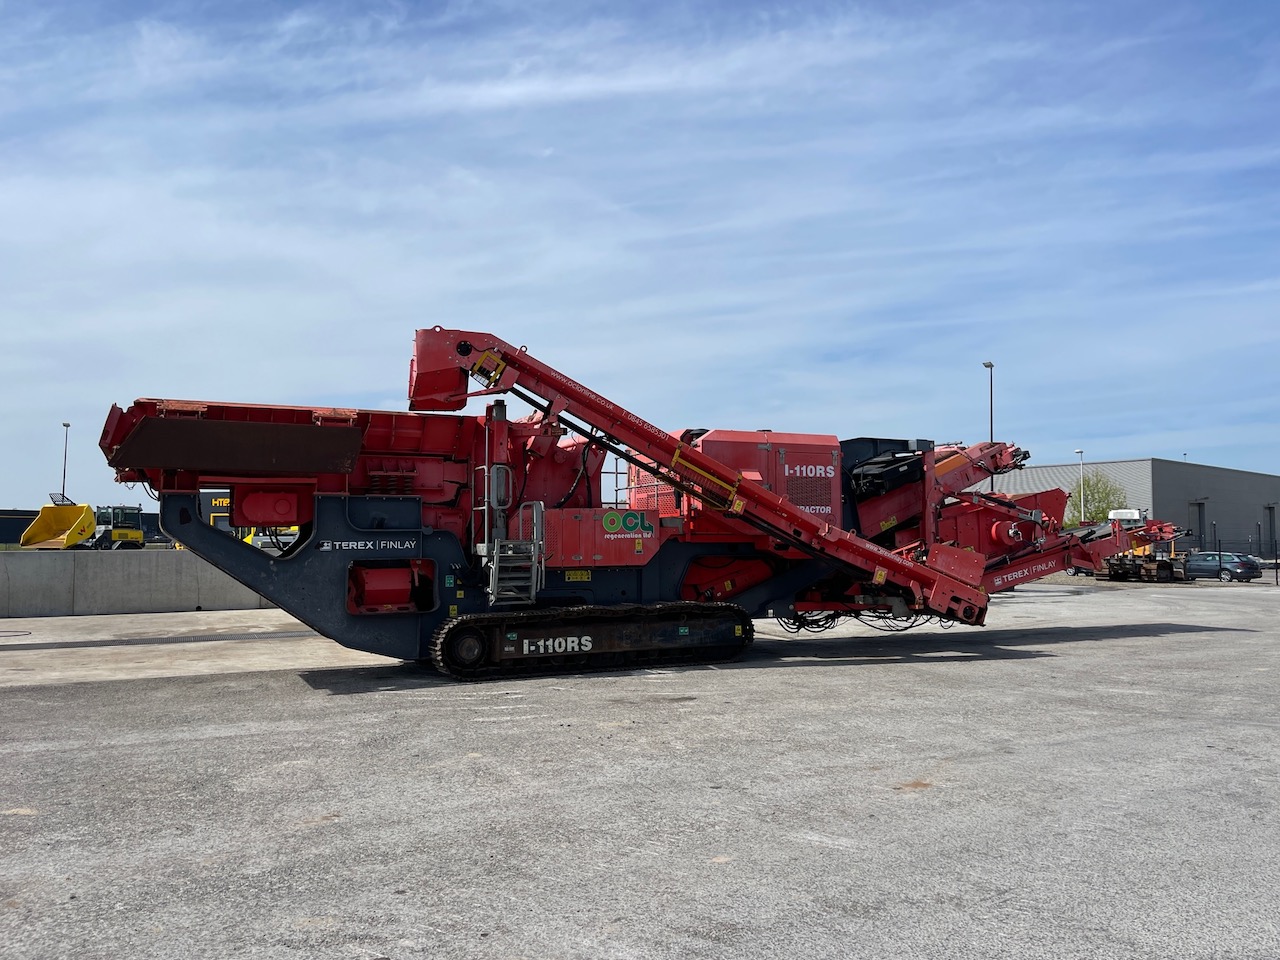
[(819, 218)]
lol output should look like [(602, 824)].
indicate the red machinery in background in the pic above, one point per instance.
[(485, 544)]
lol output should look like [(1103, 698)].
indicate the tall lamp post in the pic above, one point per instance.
[(66, 435), (1081, 452), (991, 410), (1275, 555)]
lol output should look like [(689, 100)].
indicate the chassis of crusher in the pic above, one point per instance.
[(484, 544), (1144, 568), (1152, 561)]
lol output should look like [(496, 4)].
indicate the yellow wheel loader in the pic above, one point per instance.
[(66, 525)]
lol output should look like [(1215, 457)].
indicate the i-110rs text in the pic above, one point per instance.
[(536, 645)]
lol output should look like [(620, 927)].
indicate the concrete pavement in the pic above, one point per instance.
[(1094, 774)]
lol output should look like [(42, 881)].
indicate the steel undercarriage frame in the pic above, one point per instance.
[(386, 530)]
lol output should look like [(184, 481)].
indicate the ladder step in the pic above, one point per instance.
[(515, 570)]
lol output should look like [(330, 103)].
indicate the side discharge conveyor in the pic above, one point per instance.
[(485, 545)]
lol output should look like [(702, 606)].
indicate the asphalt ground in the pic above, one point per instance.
[(1092, 775)]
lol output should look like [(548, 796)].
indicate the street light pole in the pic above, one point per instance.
[(1081, 452), (66, 435), (991, 410)]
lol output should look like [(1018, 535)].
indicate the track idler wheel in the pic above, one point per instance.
[(463, 651)]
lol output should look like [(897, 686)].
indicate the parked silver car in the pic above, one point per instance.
[(1225, 566)]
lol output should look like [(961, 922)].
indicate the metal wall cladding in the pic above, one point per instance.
[(1239, 506)]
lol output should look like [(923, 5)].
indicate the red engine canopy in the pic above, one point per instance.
[(803, 467)]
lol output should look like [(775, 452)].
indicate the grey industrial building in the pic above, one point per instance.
[(1236, 508)]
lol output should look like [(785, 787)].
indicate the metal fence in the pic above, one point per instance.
[(1249, 546)]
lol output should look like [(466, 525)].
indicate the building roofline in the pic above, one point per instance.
[(1075, 464)]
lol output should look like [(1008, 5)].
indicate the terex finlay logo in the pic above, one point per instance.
[(1013, 576), (407, 543)]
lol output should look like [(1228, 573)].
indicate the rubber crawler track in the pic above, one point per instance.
[(582, 618)]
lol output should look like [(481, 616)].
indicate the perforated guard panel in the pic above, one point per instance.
[(551, 543), (809, 491)]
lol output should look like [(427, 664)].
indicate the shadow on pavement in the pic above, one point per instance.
[(959, 644), (807, 651), (390, 678)]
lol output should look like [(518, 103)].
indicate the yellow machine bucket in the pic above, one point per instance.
[(60, 527)]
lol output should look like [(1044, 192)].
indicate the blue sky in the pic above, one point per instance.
[(810, 217)]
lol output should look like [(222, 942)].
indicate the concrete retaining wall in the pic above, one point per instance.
[(48, 583)]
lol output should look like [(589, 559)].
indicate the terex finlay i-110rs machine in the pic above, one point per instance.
[(484, 543)]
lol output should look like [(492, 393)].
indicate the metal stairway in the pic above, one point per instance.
[(517, 566), (513, 545)]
